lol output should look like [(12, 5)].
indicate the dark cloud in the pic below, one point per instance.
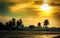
[(4, 5), (4, 10), (19, 1)]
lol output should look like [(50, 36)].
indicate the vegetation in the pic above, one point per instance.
[(13, 25)]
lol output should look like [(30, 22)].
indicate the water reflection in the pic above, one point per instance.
[(33, 36)]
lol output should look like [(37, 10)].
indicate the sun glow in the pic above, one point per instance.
[(45, 8)]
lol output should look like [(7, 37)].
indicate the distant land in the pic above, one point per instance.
[(14, 26)]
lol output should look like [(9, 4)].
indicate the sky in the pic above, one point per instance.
[(30, 11)]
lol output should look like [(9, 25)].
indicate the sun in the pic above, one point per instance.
[(45, 7)]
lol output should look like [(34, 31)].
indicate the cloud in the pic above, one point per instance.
[(7, 6), (19, 1), (55, 1), (57, 15), (4, 10), (27, 12)]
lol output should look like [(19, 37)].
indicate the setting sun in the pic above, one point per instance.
[(45, 7)]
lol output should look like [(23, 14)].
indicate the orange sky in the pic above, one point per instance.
[(31, 13)]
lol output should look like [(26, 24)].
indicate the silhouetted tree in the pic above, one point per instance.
[(31, 26), (2, 26), (10, 25), (46, 22), (21, 22), (39, 24), (7, 25), (13, 22), (18, 23)]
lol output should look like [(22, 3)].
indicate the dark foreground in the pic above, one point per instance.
[(26, 34)]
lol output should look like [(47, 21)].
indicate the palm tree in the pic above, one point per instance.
[(13, 22), (21, 22), (46, 23), (39, 24)]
